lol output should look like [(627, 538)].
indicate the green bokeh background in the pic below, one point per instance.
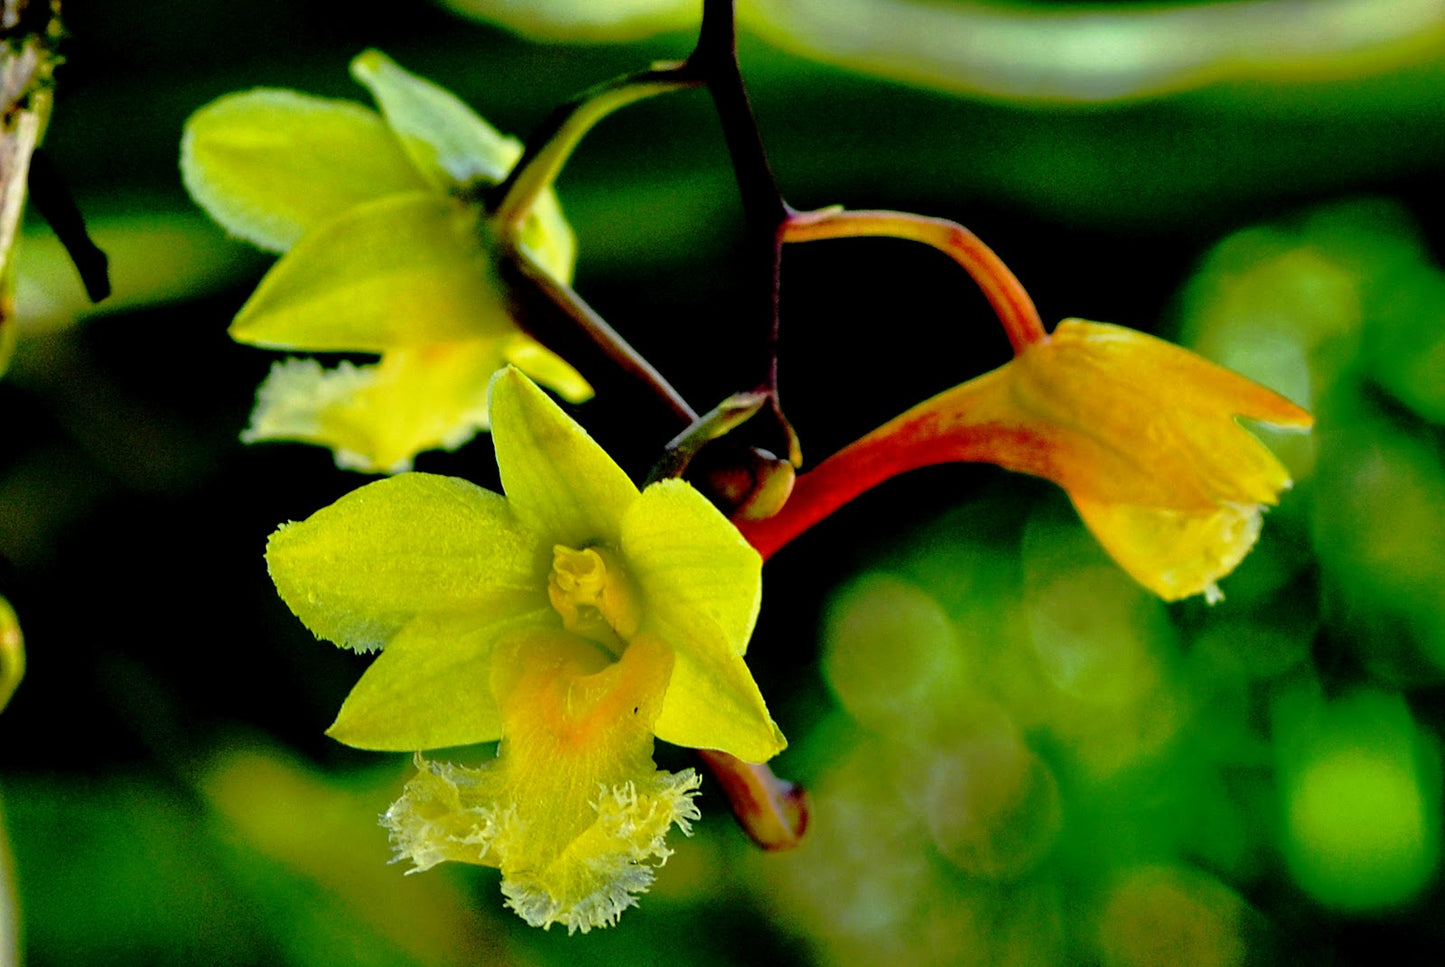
[(1016, 756)]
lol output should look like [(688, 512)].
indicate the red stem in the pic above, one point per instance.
[(1000, 286), (936, 431)]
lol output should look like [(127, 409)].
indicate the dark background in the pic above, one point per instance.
[(132, 521)]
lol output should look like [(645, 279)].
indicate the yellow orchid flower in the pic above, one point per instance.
[(574, 619), (385, 253), (1141, 434)]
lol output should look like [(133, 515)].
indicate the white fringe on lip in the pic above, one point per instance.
[(449, 812)]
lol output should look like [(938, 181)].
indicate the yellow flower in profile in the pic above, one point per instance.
[(574, 619), (387, 252), (1141, 434)]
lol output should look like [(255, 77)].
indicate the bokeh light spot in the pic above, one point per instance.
[(1160, 916), (893, 657), (1360, 796)]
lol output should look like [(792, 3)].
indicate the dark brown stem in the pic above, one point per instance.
[(764, 211), (548, 309), (52, 199), (558, 318), (716, 59)]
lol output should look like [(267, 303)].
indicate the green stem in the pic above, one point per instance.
[(712, 425), (548, 150), (550, 310)]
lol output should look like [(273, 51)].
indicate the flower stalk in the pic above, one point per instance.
[(909, 442), (552, 145), (1012, 304), (764, 209), (579, 618), (552, 312), (772, 811)]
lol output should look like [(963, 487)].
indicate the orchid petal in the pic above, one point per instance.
[(270, 165), (547, 368), (548, 238), (431, 687), (1126, 417), (572, 810), (1173, 554), (690, 561), (377, 418), (449, 141), (442, 135), (357, 572), (712, 701), (559, 482), (402, 271), (1143, 435)]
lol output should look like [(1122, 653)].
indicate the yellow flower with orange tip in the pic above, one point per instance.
[(574, 619), (1142, 434), (386, 252)]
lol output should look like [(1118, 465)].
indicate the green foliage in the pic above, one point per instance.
[(1315, 302), (264, 859), (579, 20), (1035, 51)]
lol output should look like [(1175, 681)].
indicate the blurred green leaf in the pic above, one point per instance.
[(155, 257), (1037, 51), (119, 871), (1060, 52), (308, 854), (583, 20)]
